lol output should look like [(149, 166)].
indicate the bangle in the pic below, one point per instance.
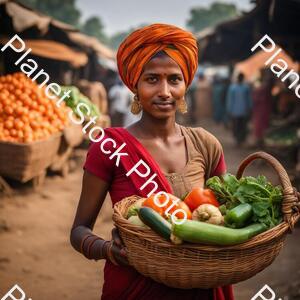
[(103, 248), (86, 245), (83, 241), (90, 246)]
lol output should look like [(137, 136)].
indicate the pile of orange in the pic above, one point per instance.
[(26, 113)]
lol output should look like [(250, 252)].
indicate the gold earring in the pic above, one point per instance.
[(182, 106), (136, 106)]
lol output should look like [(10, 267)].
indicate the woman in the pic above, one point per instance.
[(157, 63)]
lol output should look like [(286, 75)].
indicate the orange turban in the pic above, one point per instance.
[(138, 48)]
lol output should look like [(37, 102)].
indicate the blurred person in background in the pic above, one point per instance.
[(227, 84), (203, 98), (219, 91), (286, 99), (238, 106), (262, 106), (191, 102), (121, 97), (96, 92)]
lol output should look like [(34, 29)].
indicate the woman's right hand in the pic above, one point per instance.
[(117, 249)]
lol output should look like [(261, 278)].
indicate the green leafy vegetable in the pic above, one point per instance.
[(264, 198), (134, 208), (76, 98)]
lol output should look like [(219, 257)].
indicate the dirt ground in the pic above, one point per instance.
[(35, 252)]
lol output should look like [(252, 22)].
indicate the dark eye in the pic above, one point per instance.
[(151, 79), (175, 79)]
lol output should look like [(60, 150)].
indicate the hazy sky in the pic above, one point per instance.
[(119, 15)]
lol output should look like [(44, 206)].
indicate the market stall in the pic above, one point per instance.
[(38, 133), (67, 57), (67, 54), (31, 129), (231, 43)]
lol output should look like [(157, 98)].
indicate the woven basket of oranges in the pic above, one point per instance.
[(30, 127)]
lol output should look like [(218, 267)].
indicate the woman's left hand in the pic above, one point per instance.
[(117, 249)]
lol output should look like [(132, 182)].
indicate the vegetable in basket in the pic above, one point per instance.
[(134, 208), (155, 221), (239, 216), (198, 196), (169, 207), (135, 220), (149, 202), (204, 233), (180, 215), (264, 198), (208, 213)]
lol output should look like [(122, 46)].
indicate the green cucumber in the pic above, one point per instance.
[(205, 233), (238, 216), (155, 221)]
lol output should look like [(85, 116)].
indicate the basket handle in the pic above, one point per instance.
[(291, 198)]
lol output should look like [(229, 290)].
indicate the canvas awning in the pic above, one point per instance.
[(91, 42), (53, 50), (251, 66), (23, 19)]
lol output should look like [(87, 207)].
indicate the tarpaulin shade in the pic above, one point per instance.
[(23, 19), (53, 50), (93, 43), (251, 66)]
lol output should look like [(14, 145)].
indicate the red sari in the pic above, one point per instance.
[(125, 282)]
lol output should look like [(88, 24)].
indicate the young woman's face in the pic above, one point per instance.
[(160, 87)]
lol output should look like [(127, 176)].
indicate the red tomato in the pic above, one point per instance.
[(198, 196), (180, 215)]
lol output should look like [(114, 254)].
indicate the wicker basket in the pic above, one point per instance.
[(26, 161), (189, 266), (72, 135)]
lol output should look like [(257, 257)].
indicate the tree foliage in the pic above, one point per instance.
[(93, 26), (117, 38), (202, 17), (65, 11)]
